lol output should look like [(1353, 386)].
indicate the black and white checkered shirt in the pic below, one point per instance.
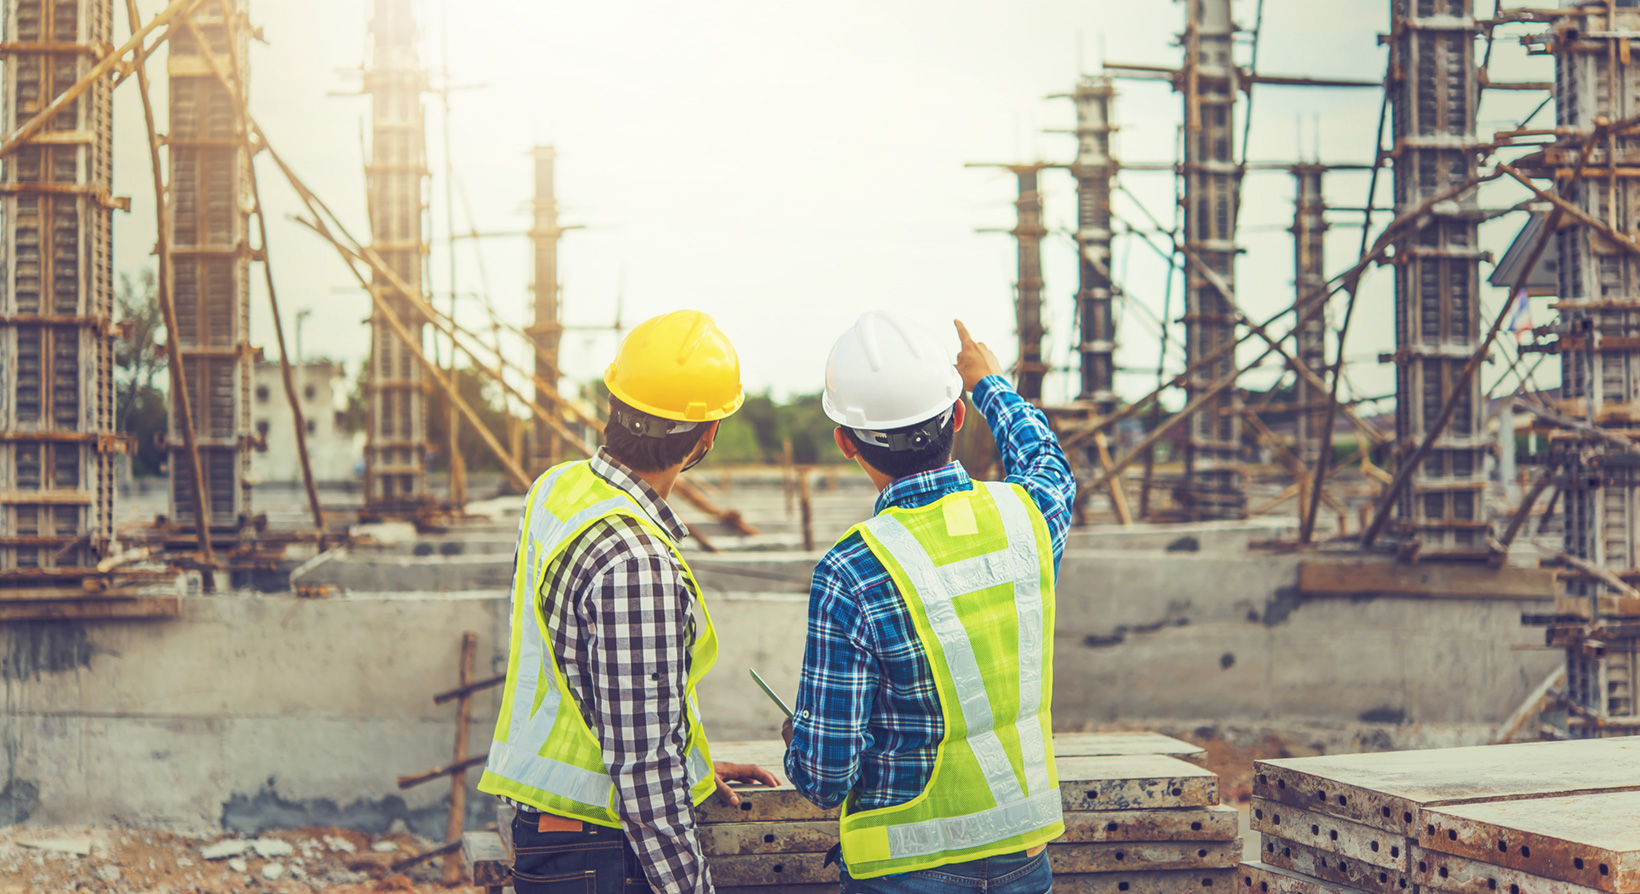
[(620, 614)]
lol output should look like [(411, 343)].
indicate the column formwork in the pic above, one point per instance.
[(398, 388), (1095, 171), (1599, 327), (208, 204), (1212, 181), (57, 427), (1028, 232), (1434, 88), (1309, 277), (548, 329)]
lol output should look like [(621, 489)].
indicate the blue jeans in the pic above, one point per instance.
[(1007, 874)]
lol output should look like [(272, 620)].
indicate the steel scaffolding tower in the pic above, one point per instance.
[(1599, 345), (208, 203), (398, 388), (1094, 170), (1433, 94), (57, 431), (547, 330), (1309, 276), (1212, 485)]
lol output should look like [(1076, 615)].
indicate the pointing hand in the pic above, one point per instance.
[(974, 361)]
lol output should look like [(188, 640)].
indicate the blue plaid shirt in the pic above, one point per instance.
[(867, 714)]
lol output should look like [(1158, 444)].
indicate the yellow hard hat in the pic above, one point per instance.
[(677, 366)]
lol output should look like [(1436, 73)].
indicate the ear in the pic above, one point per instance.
[(844, 444), (710, 436), (962, 413)]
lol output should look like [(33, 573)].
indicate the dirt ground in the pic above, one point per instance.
[(298, 861)]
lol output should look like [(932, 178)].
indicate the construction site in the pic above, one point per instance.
[(1312, 636)]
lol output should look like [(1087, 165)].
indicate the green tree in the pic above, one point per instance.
[(140, 410)]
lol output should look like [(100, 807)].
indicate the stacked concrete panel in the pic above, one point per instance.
[(1309, 276), (1095, 170), (1434, 93), (1370, 822), (1140, 818), (1581, 844), (57, 428), (398, 387), (1212, 180), (1599, 346), (208, 201)]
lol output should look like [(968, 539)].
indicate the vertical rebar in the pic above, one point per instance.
[(1309, 275), (548, 329)]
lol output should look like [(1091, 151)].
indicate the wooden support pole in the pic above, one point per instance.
[(806, 507), (167, 301), (1118, 497), (436, 772), (458, 779)]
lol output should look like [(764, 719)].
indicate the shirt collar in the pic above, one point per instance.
[(923, 488), (615, 472)]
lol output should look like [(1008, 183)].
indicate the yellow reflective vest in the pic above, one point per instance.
[(975, 570), (544, 754)]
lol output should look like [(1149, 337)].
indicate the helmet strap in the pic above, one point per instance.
[(902, 440), (644, 425)]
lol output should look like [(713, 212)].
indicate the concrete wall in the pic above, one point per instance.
[(254, 710)]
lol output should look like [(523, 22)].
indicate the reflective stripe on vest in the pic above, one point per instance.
[(536, 700), (915, 843)]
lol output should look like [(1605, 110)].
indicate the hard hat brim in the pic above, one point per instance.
[(712, 415), (839, 416)]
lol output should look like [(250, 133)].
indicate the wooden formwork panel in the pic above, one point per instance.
[(1436, 871), (1389, 790), (1587, 840), (1350, 840), (1287, 854)]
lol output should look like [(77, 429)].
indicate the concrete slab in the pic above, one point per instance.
[(1205, 881), (1135, 782), (1140, 856), (1589, 840), (1436, 871), (1327, 867), (1336, 836), (1262, 878), (1390, 790)]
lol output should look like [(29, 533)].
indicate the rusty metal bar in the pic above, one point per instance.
[(1310, 348)]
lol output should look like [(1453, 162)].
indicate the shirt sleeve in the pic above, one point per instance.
[(837, 687), (1031, 455), (638, 617)]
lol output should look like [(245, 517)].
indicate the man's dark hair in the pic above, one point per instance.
[(902, 463), (647, 454)]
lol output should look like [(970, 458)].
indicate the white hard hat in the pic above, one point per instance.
[(888, 372)]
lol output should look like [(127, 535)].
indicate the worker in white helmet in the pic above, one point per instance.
[(927, 678)]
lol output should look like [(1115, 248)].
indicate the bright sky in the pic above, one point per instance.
[(787, 167)]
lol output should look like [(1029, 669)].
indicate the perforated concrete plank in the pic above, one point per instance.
[(1460, 875), (1589, 840)]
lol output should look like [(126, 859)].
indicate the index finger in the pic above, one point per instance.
[(962, 333)]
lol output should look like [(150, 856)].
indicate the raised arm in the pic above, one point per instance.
[(1031, 455)]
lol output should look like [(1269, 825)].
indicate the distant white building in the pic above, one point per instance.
[(321, 390)]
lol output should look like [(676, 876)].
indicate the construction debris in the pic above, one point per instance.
[(1538, 818), (1140, 817)]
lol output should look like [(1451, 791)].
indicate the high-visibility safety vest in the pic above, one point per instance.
[(544, 754), (975, 570)]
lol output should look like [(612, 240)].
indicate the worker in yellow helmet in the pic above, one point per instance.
[(599, 742), (923, 706)]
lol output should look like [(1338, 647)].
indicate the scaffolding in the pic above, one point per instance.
[(548, 328), (398, 388), (1094, 170), (1212, 179), (1434, 91), (1599, 348), (208, 248), (1310, 338), (57, 427)]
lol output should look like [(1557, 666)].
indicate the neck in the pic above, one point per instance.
[(661, 481)]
